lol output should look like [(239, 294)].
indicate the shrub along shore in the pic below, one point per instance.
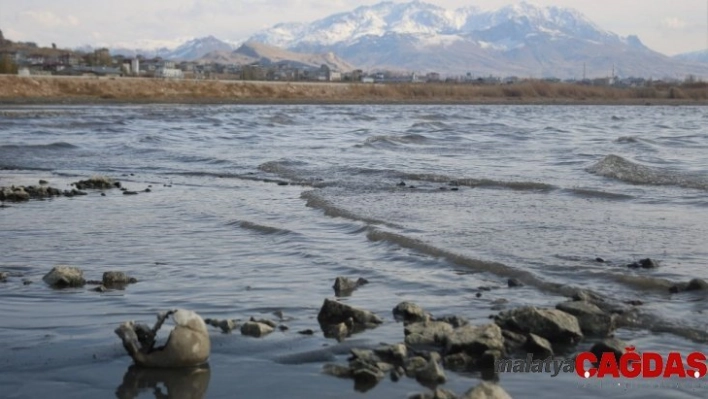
[(77, 90)]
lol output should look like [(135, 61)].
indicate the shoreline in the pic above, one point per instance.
[(48, 90)]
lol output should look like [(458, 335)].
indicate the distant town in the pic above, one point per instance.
[(28, 59)]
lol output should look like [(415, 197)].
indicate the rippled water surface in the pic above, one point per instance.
[(491, 192)]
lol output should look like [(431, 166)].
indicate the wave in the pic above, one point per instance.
[(616, 167), (469, 182), (52, 146), (590, 193), (263, 229), (394, 139), (317, 202)]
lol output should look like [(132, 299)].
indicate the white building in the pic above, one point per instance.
[(169, 73)]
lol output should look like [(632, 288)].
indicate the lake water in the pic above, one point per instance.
[(541, 192)]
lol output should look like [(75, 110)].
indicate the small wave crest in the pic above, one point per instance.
[(616, 167), (469, 182), (393, 139), (260, 228), (51, 146)]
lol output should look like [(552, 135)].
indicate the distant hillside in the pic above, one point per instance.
[(694, 56), (253, 52)]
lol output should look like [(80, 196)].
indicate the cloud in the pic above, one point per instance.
[(673, 23), (48, 19)]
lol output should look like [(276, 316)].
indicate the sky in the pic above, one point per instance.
[(667, 26)]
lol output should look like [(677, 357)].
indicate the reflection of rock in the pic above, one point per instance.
[(188, 344), (65, 276), (180, 383)]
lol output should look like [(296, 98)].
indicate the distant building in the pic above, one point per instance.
[(169, 73)]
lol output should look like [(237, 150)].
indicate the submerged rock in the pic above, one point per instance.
[(256, 329), (225, 325), (432, 373), (696, 284), (188, 344), (65, 276), (427, 333), (95, 183), (344, 286), (3, 277), (554, 325), (644, 264), (117, 279)]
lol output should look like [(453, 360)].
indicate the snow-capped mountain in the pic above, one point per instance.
[(198, 48), (520, 39)]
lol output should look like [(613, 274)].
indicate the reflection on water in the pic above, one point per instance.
[(165, 383)]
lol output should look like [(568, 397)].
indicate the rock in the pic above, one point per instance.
[(552, 324), (365, 379), (338, 371), (395, 354), (634, 302), (364, 355), (113, 279), (95, 183), (538, 346), (283, 328), (255, 329), (426, 333), (644, 264), (474, 340), (458, 361), (344, 286), (432, 374), (333, 313), (592, 320), (514, 282), (26, 282), (413, 364), (65, 276), (188, 344), (130, 192), (43, 182), (225, 325), (267, 322), (101, 288), (338, 331), (409, 312), (696, 284), (455, 321), (587, 296), (3, 277), (306, 332), (600, 260), (613, 345), (486, 390), (488, 360), (397, 373), (439, 393), (513, 341)]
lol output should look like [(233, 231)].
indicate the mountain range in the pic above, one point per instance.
[(522, 39)]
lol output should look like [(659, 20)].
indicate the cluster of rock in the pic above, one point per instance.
[(43, 190), (256, 328), (73, 277)]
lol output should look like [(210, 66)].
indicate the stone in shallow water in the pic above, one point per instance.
[(554, 325), (256, 329), (592, 320), (409, 312), (486, 390), (65, 276)]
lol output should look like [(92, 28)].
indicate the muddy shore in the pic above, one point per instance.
[(50, 90)]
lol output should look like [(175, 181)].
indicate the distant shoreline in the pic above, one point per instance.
[(40, 90)]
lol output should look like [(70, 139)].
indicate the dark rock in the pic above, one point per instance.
[(255, 329), (592, 320), (644, 264), (283, 183), (474, 340), (397, 373), (267, 322), (438, 393), (344, 286), (366, 379), (514, 282), (130, 193), (338, 371), (587, 296), (101, 288), (3, 277), (334, 313), (486, 390), (117, 279), (65, 276), (409, 312), (306, 332), (538, 346), (96, 183), (147, 190), (552, 324), (696, 284), (600, 260), (26, 282), (103, 194), (513, 341), (612, 345), (338, 331), (283, 328), (117, 184), (489, 359), (478, 295), (458, 361), (401, 184), (634, 303)]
